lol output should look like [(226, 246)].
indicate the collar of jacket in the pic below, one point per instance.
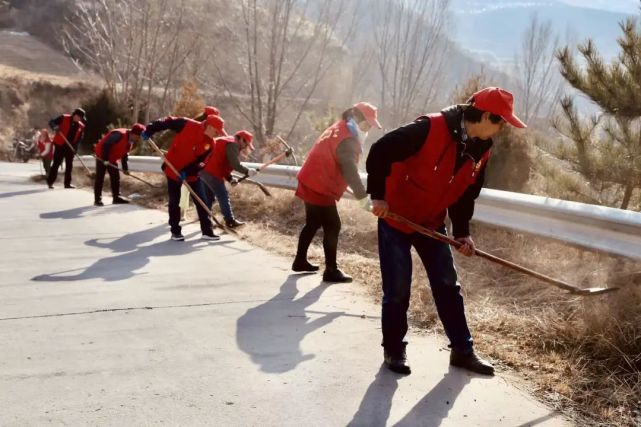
[(453, 119)]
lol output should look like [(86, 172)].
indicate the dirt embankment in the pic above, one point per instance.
[(580, 355)]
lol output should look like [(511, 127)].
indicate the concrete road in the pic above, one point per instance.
[(104, 321)]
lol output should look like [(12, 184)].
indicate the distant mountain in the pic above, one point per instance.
[(492, 29)]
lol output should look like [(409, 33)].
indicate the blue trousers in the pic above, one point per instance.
[(220, 193), (173, 190), (396, 269)]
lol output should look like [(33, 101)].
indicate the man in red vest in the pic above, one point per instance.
[(71, 127), (423, 171), (112, 148), (189, 148), (224, 159), (330, 167)]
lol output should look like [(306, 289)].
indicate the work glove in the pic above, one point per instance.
[(126, 172), (289, 152), (145, 136), (252, 172), (233, 182), (365, 204), (106, 163), (182, 175)]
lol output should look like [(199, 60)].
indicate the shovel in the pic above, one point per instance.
[(127, 174), (547, 279)]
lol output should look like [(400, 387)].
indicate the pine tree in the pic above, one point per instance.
[(607, 148)]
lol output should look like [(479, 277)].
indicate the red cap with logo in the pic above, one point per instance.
[(245, 136), (137, 129), (217, 123), (497, 101), (370, 112), (211, 111)]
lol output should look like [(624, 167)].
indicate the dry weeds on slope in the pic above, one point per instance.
[(583, 356)]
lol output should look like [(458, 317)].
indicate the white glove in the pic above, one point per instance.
[(365, 204), (252, 172)]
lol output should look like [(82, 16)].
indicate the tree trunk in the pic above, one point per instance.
[(627, 195)]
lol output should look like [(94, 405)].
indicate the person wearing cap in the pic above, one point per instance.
[(423, 171), (207, 111), (67, 128), (224, 159), (114, 147), (189, 147), (330, 167)]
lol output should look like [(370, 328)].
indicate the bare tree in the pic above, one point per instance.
[(136, 46), (288, 47), (540, 84), (411, 51)]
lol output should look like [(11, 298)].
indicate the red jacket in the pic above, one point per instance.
[(321, 172), (116, 151), (64, 130), (42, 145), (187, 150), (422, 187), (217, 163)]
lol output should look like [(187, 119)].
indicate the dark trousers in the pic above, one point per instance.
[(173, 190), (114, 178), (46, 164), (62, 152), (396, 269), (216, 190), (315, 218)]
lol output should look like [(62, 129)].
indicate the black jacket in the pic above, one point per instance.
[(406, 141)]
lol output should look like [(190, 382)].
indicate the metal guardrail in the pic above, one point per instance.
[(596, 227)]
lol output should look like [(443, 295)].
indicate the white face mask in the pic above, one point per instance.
[(362, 136)]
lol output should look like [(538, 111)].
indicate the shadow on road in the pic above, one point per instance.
[(20, 193), (432, 409), (80, 211), (271, 333), (123, 266), (129, 242), (377, 402)]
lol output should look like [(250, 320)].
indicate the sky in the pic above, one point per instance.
[(625, 6)]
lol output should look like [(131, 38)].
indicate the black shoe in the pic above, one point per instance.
[(302, 265), (98, 203), (177, 237), (335, 275), (212, 237), (50, 186), (70, 186), (471, 362), (397, 362), (233, 223), (119, 201)]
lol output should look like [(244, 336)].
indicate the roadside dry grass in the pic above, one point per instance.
[(580, 355)]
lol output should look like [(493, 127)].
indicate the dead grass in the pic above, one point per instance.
[(580, 355)]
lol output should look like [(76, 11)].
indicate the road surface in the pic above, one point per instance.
[(104, 321)]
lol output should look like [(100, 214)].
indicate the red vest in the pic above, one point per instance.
[(422, 187), (117, 150), (321, 171), (217, 163), (189, 144), (42, 145), (64, 130)]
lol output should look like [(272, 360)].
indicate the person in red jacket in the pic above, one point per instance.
[(114, 147), (330, 167), (71, 128), (423, 171), (45, 149), (191, 145), (224, 159)]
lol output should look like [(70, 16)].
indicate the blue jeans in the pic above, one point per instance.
[(219, 192), (173, 191), (394, 248)]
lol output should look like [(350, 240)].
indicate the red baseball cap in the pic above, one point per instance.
[(370, 112), (217, 123), (137, 129), (497, 101), (209, 111), (245, 136)]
